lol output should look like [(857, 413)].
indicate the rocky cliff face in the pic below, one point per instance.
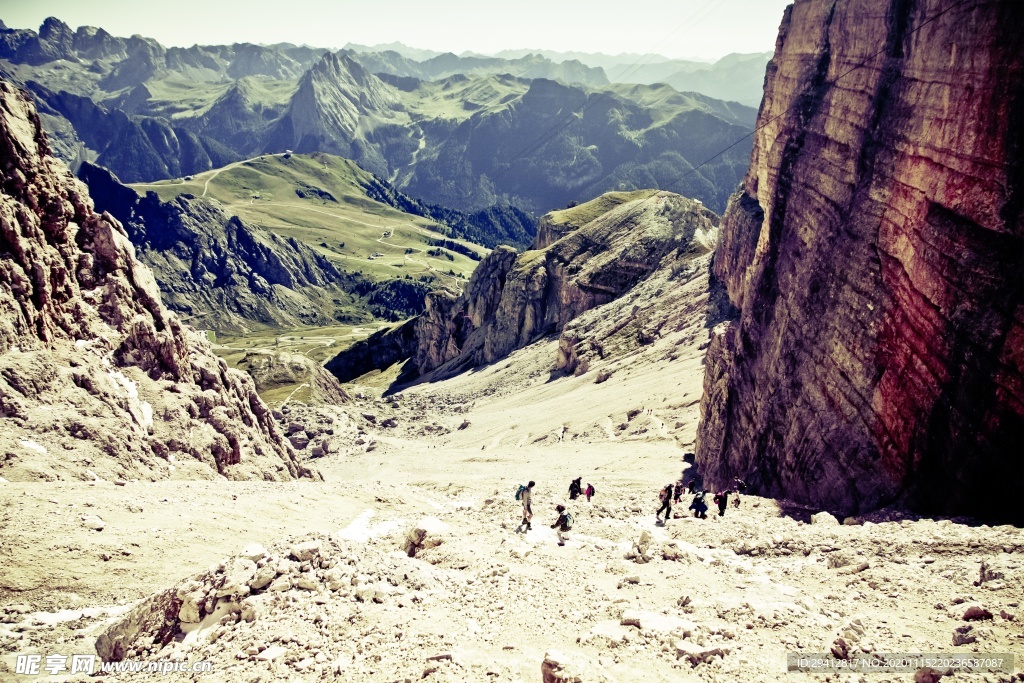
[(513, 299), (206, 262), (97, 378), (876, 252)]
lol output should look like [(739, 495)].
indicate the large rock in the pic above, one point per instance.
[(875, 250), (88, 354), (557, 668), (155, 619)]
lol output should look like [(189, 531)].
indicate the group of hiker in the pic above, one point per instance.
[(672, 493), (576, 489), (564, 521)]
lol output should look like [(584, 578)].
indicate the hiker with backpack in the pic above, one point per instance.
[(563, 524), (666, 503), (589, 491), (524, 494), (678, 492), (575, 489), (699, 506), (739, 486), (722, 500)]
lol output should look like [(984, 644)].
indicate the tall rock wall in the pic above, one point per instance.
[(876, 252), (97, 378)]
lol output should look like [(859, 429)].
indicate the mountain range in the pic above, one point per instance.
[(455, 131), (737, 77)]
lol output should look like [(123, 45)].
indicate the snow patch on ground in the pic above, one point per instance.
[(361, 530), (432, 525), (32, 445)]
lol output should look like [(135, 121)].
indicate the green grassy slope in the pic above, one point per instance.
[(320, 200), (582, 214), (459, 97)]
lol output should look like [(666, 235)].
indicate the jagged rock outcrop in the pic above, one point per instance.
[(128, 62), (876, 252), (206, 262), (513, 299), (97, 378)]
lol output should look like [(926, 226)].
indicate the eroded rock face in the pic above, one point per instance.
[(97, 378), (513, 299), (876, 251)]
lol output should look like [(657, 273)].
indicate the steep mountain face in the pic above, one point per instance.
[(513, 299), (239, 119), (97, 378), (324, 114), (141, 148), (558, 144), (876, 254), (206, 262)]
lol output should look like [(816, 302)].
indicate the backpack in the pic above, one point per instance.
[(568, 520), (519, 492)]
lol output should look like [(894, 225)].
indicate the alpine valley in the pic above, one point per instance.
[(285, 332)]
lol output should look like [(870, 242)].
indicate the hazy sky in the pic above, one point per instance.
[(675, 28)]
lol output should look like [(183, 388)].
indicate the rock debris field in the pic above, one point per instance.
[(405, 563)]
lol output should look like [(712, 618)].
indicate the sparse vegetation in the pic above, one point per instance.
[(441, 253)]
